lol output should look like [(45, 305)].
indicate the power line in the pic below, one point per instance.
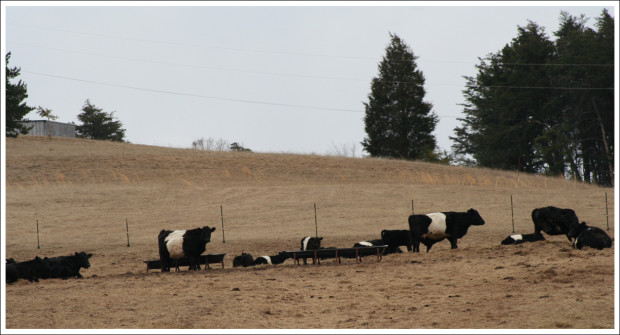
[(190, 94), (546, 87), (190, 65), (290, 74)]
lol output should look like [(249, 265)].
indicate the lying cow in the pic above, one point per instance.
[(31, 270), (588, 236), (68, 266), (176, 244), (434, 227), (244, 260), (272, 260), (396, 238), (310, 243), (554, 221), (521, 238), (389, 250)]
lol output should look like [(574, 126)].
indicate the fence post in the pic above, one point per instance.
[(222, 217), (38, 245), (316, 226), (512, 214), (607, 211), (412, 212), (127, 227)]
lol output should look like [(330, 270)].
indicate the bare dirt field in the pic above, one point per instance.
[(84, 192)]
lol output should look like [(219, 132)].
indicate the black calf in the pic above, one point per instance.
[(587, 236), (30, 270), (68, 266), (244, 260), (396, 238)]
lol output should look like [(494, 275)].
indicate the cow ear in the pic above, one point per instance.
[(89, 255), (213, 229)]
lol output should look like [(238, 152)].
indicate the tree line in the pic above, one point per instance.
[(536, 105)]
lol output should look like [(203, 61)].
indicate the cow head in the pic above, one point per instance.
[(575, 230), (476, 219), (83, 259), (205, 233)]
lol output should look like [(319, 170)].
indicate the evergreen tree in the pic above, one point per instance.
[(585, 61), (545, 107), (99, 125), (16, 107), (505, 111), (398, 122)]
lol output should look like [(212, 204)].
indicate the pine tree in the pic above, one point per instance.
[(16, 107), (543, 106), (99, 125), (398, 123), (505, 111)]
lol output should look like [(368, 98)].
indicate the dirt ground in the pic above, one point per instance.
[(84, 194)]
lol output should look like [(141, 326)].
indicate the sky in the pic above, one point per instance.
[(284, 77)]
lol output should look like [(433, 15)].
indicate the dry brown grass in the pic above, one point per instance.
[(81, 192)]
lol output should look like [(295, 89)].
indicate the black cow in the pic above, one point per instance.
[(554, 221), (588, 236), (521, 238), (244, 260), (273, 260), (372, 243), (396, 238), (310, 243), (30, 270), (434, 227), (68, 266), (176, 244)]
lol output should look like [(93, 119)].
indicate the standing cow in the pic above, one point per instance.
[(396, 238), (177, 244), (588, 236), (310, 243), (434, 227), (554, 221)]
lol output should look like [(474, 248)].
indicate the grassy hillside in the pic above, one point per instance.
[(83, 192)]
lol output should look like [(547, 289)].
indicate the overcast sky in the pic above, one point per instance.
[(283, 78)]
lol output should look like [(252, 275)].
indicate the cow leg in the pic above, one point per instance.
[(192, 263), (410, 242), (165, 267), (416, 244), (453, 242)]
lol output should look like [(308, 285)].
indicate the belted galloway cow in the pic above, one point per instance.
[(434, 227), (177, 244)]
